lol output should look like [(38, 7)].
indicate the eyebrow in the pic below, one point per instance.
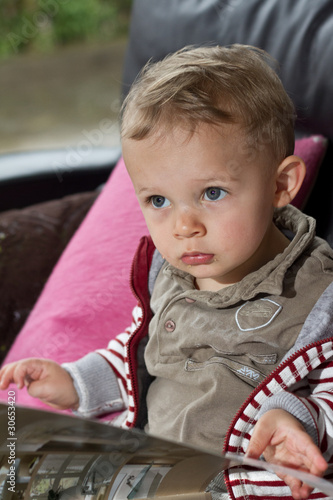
[(211, 181), (147, 190), (225, 179)]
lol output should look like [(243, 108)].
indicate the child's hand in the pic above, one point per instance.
[(282, 440), (44, 379)]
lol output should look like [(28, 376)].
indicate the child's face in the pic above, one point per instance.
[(208, 204)]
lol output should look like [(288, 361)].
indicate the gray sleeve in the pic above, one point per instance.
[(294, 405), (96, 385)]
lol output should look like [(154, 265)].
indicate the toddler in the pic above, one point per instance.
[(222, 345)]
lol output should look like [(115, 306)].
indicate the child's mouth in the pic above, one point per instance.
[(197, 258)]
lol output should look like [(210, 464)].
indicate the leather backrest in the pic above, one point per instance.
[(298, 33)]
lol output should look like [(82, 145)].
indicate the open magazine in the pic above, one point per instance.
[(51, 456)]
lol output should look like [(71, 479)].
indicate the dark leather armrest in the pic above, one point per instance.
[(32, 177)]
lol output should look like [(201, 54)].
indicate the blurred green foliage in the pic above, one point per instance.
[(44, 24)]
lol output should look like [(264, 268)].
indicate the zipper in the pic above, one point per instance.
[(264, 383), (129, 357), (143, 246)]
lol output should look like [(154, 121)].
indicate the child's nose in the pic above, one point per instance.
[(188, 225)]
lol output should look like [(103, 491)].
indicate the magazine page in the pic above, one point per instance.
[(50, 456), (46, 455)]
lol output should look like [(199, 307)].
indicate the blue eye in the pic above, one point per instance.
[(159, 201), (214, 194)]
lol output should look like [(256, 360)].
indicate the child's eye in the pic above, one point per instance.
[(214, 194), (159, 201)]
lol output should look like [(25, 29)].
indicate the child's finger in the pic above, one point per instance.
[(18, 374), (6, 376), (298, 489), (318, 464), (309, 455), (27, 371), (259, 441)]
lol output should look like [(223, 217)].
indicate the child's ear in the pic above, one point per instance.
[(289, 178)]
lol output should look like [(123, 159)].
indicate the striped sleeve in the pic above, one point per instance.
[(117, 358), (320, 405), (100, 377), (311, 402)]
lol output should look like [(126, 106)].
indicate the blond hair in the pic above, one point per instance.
[(216, 85)]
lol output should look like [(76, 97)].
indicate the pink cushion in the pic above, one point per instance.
[(87, 300), (312, 150)]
